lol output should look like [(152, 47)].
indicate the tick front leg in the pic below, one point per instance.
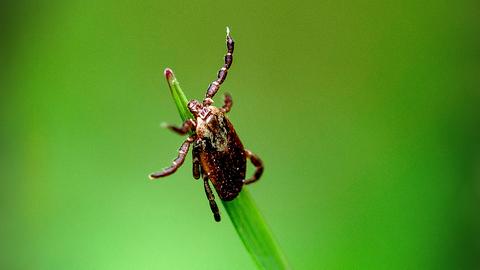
[(227, 105), (182, 153), (257, 162), (211, 199), (222, 73), (186, 127)]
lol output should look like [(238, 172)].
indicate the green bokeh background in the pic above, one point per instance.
[(366, 115)]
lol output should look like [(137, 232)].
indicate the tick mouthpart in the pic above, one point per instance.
[(194, 106)]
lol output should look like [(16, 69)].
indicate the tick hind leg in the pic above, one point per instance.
[(257, 162), (222, 73), (211, 199), (182, 153), (196, 162)]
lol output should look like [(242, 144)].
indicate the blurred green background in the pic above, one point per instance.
[(366, 115)]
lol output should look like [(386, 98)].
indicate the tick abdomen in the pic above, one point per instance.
[(222, 155)]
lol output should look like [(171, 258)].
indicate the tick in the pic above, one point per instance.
[(218, 154)]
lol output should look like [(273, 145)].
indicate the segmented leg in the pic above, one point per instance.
[(258, 165), (227, 105), (222, 73), (196, 161), (211, 199), (186, 127), (182, 152)]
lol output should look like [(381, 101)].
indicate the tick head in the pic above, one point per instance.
[(195, 107), (198, 109)]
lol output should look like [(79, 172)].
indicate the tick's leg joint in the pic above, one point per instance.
[(211, 199), (222, 73), (182, 153), (207, 102), (196, 161), (227, 106), (187, 126), (257, 162)]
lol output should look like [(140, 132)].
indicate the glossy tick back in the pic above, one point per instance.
[(218, 154)]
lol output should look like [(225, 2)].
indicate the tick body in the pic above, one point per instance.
[(218, 154)]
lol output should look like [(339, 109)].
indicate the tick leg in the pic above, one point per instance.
[(222, 73), (196, 162), (186, 127), (182, 153), (211, 199), (227, 106), (257, 162)]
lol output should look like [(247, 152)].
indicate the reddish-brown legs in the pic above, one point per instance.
[(222, 73), (211, 199), (182, 152), (227, 105), (196, 161), (186, 127), (257, 162)]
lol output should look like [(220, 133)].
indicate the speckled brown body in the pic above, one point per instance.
[(221, 153)]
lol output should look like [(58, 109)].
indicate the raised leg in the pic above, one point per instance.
[(227, 106), (211, 199), (186, 127), (258, 165), (182, 152), (222, 73), (196, 162)]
